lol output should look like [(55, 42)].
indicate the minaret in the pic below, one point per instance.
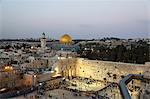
[(43, 41)]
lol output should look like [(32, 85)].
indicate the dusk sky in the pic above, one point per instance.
[(80, 18)]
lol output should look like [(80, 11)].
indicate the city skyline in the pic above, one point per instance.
[(82, 19), (71, 49)]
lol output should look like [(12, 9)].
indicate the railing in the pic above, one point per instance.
[(122, 84)]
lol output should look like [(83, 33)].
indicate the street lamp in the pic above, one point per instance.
[(34, 76)]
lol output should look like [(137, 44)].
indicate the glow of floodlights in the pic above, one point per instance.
[(8, 68)]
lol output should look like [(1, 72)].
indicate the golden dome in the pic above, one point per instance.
[(65, 39)]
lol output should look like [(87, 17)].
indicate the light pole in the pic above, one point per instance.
[(34, 78)]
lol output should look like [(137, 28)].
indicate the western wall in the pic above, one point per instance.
[(101, 70)]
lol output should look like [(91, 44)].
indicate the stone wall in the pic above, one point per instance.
[(10, 79), (107, 71), (67, 66)]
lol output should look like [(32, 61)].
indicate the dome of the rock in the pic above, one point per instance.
[(65, 39)]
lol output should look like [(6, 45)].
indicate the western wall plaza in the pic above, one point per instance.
[(43, 68)]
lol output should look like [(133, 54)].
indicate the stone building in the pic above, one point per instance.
[(10, 78)]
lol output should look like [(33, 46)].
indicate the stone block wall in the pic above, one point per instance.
[(107, 71), (100, 70), (67, 66)]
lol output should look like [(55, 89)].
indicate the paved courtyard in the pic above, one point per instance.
[(84, 85), (64, 94)]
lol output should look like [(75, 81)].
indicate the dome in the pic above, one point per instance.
[(65, 39)]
